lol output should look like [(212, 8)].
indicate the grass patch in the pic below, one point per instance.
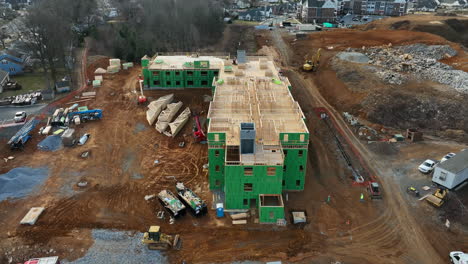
[(30, 82)]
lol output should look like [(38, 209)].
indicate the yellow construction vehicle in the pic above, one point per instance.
[(438, 198), (312, 63), (160, 241)]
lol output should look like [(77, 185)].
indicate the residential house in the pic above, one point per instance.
[(384, 7), (242, 4), (14, 62), (319, 11), (256, 14), (4, 78)]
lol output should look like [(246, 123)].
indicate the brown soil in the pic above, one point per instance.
[(452, 28), (350, 87), (344, 230)]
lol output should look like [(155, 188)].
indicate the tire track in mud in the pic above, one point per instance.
[(398, 229)]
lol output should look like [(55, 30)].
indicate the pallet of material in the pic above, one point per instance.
[(31, 217), (161, 102), (88, 94), (96, 83), (98, 77), (239, 222), (100, 71), (239, 216), (167, 115), (179, 122)]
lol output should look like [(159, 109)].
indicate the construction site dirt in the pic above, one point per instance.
[(128, 160)]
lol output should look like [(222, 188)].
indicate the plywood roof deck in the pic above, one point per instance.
[(250, 94), (179, 62)]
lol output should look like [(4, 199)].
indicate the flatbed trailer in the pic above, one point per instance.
[(171, 203), (191, 200)]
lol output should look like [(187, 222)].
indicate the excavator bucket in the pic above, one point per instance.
[(177, 242)]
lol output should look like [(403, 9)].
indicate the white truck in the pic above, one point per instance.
[(458, 257)]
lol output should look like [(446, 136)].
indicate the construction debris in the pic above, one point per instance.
[(299, 217), (171, 203), (149, 197), (31, 217), (421, 61)]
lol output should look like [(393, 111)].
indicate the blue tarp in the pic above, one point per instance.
[(50, 143), (261, 27)]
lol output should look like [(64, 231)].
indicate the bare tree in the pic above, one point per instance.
[(48, 34)]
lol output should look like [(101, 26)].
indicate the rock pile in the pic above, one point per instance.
[(420, 61)]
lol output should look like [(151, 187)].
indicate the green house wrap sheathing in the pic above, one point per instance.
[(242, 190), (270, 214)]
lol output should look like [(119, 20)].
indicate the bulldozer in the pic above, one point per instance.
[(312, 63), (160, 241), (438, 198)]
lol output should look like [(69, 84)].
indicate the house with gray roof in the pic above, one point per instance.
[(452, 172)]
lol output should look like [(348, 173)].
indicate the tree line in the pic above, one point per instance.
[(150, 26), (52, 28)]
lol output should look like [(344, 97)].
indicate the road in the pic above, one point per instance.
[(8, 112)]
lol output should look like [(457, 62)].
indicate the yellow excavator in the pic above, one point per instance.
[(312, 63), (160, 241)]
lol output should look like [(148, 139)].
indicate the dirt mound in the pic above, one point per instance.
[(402, 25), (452, 28)]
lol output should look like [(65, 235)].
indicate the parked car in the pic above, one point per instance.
[(20, 117), (427, 166), (448, 156), (458, 257)]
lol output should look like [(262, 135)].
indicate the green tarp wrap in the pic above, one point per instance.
[(276, 81)]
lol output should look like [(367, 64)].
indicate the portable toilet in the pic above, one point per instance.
[(219, 210)]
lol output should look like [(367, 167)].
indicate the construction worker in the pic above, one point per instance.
[(361, 198)]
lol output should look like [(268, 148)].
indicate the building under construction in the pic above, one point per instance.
[(257, 137)]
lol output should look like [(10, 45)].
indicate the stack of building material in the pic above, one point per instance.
[(31, 217), (96, 83), (115, 63), (127, 65), (100, 71), (155, 107), (179, 122), (98, 77), (167, 115)]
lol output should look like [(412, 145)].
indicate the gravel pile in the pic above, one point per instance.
[(419, 60), (355, 57), (20, 182), (119, 247)]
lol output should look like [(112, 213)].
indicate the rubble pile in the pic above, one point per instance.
[(419, 60)]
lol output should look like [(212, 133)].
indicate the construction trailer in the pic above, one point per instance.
[(257, 136), (169, 72), (453, 172)]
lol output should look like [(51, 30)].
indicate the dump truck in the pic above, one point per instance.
[(171, 203), (160, 241), (191, 200), (438, 198)]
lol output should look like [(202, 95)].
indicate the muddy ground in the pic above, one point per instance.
[(121, 171), (351, 87)]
